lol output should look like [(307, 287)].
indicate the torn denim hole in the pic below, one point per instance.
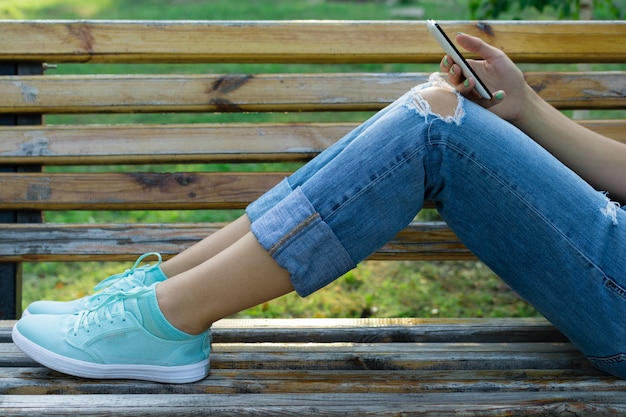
[(423, 106), (610, 210)]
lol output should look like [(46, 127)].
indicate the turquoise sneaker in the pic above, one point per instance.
[(125, 337), (131, 278)]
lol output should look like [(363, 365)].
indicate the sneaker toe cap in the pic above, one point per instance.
[(39, 333), (55, 307)]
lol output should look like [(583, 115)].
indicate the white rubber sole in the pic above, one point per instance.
[(169, 374)]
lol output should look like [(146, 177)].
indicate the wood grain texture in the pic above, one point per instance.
[(270, 92), (299, 41), (133, 190), (203, 143)]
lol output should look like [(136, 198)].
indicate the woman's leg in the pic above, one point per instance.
[(241, 276), (207, 247)]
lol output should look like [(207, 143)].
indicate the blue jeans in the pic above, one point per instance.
[(555, 240)]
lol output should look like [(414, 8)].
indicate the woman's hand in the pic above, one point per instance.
[(597, 159), (496, 70)]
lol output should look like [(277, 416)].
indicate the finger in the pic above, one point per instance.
[(478, 46), (446, 63), (466, 87), (496, 98), (454, 72)]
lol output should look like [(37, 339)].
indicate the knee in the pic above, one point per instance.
[(441, 102)]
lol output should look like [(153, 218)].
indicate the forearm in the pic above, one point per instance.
[(597, 159)]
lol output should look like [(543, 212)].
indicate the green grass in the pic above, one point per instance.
[(378, 289)]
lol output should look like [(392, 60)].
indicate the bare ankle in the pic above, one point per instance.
[(177, 316)]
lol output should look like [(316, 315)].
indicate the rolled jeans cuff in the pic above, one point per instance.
[(300, 241), (260, 206)]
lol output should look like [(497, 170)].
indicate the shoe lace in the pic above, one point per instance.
[(124, 281), (110, 306)]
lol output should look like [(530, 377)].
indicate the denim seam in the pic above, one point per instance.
[(608, 360), (293, 232), (615, 287)]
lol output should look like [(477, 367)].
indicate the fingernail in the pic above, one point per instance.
[(499, 95), (445, 61), (466, 83)]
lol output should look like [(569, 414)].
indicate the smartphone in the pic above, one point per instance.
[(454, 53)]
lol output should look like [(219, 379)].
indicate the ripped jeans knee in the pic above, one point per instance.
[(439, 99)]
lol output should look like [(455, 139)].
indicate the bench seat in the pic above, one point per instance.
[(422, 367)]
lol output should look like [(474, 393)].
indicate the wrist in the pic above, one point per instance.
[(529, 107)]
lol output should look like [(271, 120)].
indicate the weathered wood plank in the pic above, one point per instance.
[(400, 356), (144, 144), (387, 330), (36, 381), (299, 41), (269, 92), (124, 144), (328, 404), (202, 93), (580, 90), (96, 242), (133, 190), (380, 356)]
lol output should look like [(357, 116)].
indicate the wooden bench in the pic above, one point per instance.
[(291, 367)]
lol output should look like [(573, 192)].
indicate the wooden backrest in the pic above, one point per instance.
[(341, 87)]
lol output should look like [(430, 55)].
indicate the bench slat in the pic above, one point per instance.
[(299, 41), (381, 330), (329, 404), (115, 144), (269, 92), (36, 381), (143, 144), (386, 357), (85, 242), (133, 190)]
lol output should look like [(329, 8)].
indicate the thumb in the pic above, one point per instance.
[(497, 98)]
